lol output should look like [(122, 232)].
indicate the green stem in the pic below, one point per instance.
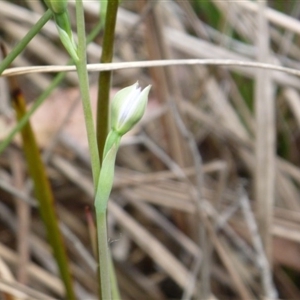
[(104, 82), (25, 40), (104, 255), (84, 90), (114, 283), (101, 200)]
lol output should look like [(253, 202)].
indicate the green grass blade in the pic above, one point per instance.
[(84, 90), (24, 42), (104, 81), (44, 195)]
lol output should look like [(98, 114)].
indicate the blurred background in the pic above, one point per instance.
[(206, 198)]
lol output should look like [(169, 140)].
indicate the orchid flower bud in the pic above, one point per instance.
[(128, 107), (57, 6)]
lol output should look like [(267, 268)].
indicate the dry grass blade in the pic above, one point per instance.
[(23, 210), (263, 264), (39, 274), (220, 73), (157, 251), (221, 249), (247, 67), (273, 16), (265, 136), (293, 100), (18, 291)]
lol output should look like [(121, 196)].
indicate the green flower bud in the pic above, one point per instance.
[(128, 107), (57, 6)]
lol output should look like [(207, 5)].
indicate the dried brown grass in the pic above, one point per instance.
[(182, 221)]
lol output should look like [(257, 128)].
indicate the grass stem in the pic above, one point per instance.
[(104, 81), (84, 90), (104, 256), (43, 192)]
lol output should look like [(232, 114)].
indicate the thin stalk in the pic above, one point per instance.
[(104, 81), (25, 40), (84, 90), (103, 251), (43, 192), (114, 282), (102, 121), (104, 256), (102, 197)]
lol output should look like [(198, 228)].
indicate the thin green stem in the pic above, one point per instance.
[(104, 82), (103, 127), (104, 255), (115, 292), (101, 200), (25, 40), (84, 89)]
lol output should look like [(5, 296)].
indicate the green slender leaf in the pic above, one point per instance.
[(106, 177), (104, 81), (24, 42), (44, 195)]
